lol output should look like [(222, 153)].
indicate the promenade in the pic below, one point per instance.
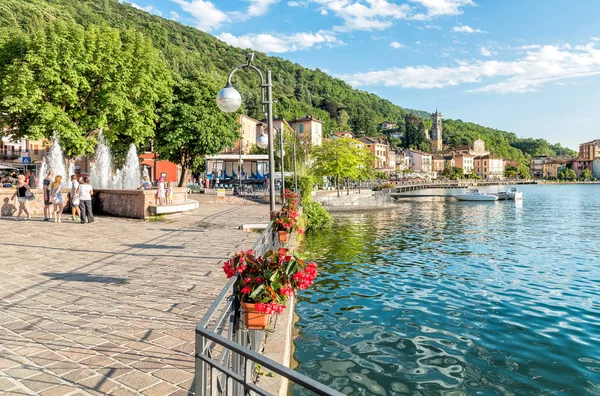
[(111, 307)]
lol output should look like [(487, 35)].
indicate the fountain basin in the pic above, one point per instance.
[(135, 204)]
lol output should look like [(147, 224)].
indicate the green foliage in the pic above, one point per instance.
[(75, 80), (306, 185), (341, 158), (586, 175), (318, 218), (567, 174), (511, 171), (192, 126), (298, 91), (414, 132), (453, 173), (524, 172)]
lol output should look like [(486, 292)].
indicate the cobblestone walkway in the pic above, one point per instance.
[(110, 307)]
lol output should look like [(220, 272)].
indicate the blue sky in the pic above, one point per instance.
[(527, 66)]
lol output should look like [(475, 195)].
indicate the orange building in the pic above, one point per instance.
[(156, 168)]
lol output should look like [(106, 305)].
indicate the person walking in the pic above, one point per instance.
[(21, 194), (85, 201), (47, 201), (57, 199), (74, 198)]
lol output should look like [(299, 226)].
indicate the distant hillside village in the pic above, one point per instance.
[(467, 161)]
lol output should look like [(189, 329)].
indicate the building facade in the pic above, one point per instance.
[(379, 150), (436, 132), (465, 161), (308, 129), (421, 162), (489, 167)]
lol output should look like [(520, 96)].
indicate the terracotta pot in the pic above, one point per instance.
[(283, 236), (253, 319)]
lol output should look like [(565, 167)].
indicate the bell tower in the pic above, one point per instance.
[(436, 132)]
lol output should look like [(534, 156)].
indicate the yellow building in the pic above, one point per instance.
[(379, 150)]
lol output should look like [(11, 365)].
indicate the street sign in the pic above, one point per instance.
[(26, 160)]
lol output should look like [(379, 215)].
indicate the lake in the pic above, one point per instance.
[(440, 297)]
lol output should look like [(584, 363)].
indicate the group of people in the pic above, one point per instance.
[(164, 190), (79, 198)]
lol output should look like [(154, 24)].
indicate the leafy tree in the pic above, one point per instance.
[(414, 135), (586, 175), (75, 80), (511, 171), (192, 126), (567, 174), (342, 159), (524, 172)]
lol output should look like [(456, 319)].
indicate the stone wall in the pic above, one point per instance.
[(367, 199), (120, 203)]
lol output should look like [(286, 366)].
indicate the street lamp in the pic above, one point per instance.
[(280, 154), (229, 100)]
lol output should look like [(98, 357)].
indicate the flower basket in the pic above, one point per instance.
[(253, 319), (264, 283), (288, 218), (283, 236)]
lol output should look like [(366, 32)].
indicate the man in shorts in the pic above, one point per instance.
[(47, 200), (74, 198)]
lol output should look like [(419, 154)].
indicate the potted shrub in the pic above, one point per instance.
[(265, 283), (286, 220)]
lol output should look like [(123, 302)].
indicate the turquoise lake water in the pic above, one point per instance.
[(440, 297)]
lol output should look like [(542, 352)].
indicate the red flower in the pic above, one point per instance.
[(246, 290)]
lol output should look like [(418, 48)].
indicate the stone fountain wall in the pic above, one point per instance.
[(121, 203)]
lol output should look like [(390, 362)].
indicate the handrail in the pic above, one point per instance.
[(226, 365)]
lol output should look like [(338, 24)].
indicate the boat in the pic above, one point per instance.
[(475, 195), (514, 194)]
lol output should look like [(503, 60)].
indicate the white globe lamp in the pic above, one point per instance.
[(229, 99), (262, 142)]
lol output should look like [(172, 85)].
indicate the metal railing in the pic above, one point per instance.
[(227, 355)]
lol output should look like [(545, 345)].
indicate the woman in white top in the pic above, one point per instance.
[(85, 201)]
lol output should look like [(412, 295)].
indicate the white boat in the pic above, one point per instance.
[(475, 195), (514, 194)]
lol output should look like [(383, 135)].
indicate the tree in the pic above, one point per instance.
[(586, 174), (341, 158), (414, 135), (192, 126), (76, 80), (524, 172), (567, 174), (511, 171)]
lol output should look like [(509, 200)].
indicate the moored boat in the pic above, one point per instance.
[(475, 195), (514, 194)]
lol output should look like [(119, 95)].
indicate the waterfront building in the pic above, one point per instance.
[(379, 150), (465, 161), (438, 163), (308, 129), (589, 150), (421, 162), (489, 167), (403, 161), (436, 132), (596, 168)]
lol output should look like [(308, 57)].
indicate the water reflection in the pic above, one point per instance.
[(443, 297)]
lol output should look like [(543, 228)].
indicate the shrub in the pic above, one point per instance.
[(306, 185), (317, 217)]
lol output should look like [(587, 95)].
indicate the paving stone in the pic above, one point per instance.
[(120, 304)]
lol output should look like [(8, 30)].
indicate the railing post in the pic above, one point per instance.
[(200, 367)]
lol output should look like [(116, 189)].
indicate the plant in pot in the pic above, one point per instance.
[(286, 220), (265, 282)]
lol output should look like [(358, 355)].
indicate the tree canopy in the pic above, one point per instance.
[(76, 80)]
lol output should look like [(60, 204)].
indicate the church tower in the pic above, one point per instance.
[(436, 132)]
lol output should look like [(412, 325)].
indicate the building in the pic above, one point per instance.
[(553, 167), (436, 132), (344, 134), (308, 129), (250, 131), (589, 150), (403, 161), (421, 162), (254, 166), (537, 166), (379, 150), (169, 171), (387, 125), (548, 167), (465, 161), (489, 167), (438, 163), (596, 168)]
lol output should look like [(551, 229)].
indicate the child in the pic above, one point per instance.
[(169, 193), (160, 192), (146, 185), (7, 209)]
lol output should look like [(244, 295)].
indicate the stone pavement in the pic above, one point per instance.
[(111, 307)]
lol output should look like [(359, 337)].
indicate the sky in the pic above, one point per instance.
[(531, 67)]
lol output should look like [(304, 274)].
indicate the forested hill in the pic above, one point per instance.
[(297, 90)]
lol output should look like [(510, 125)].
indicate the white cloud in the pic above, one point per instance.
[(486, 52), (595, 38), (207, 16), (437, 8), (528, 47), (175, 16), (539, 67), (149, 9), (281, 43), (466, 29), (324, 12), (395, 44)]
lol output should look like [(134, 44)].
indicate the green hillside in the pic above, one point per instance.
[(297, 90)]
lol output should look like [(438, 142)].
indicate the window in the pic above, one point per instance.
[(301, 128), (36, 149)]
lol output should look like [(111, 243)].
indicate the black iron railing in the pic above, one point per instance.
[(227, 354)]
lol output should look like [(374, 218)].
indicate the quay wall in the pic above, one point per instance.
[(367, 199)]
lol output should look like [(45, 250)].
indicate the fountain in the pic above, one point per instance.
[(55, 161), (101, 174), (131, 170)]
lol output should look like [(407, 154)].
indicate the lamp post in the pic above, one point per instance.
[(229, 100), (295, 175), (280, 154)]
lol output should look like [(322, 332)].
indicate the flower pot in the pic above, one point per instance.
[(283, 236), (253, 319)]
